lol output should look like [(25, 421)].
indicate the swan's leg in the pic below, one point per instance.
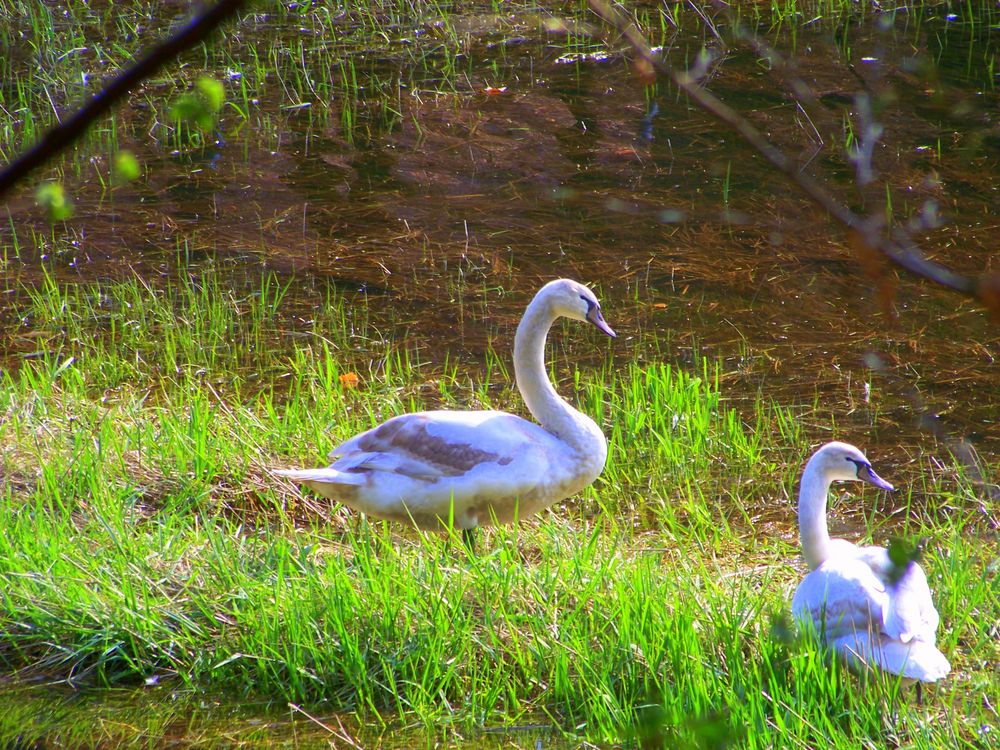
[(469, 537), (920, 692)]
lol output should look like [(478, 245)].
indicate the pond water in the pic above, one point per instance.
[(502, 163), (42, 716)]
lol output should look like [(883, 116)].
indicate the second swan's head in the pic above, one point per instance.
[(845, 462), (573, 300)]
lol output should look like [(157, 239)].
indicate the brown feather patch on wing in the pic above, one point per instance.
[(410, 437)]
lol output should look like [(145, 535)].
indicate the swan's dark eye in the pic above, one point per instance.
[(590, 303), (862, 466)]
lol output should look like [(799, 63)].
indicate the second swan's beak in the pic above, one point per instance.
[(867, 474), (595, 317)]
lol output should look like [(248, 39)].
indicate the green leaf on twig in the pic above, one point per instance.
[(901, 553), (52, 197), (201, 106), (126, 167)]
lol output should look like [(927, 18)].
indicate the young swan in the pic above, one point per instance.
[(869, 612), (473, 468)]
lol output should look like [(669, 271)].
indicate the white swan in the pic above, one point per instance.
[(868, 611), (473, 468)]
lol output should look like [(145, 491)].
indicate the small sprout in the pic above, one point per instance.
[(783, 629), (988, 290), (201, 106), (715, 729), (213, 91), (654, 729), (52, 197), (126, 167), (901, 553), (644, 71)]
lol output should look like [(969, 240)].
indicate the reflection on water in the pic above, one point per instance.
[(44, 716), (446, 206)]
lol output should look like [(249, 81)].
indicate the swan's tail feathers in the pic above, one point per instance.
[(916, 660), (323, 476)]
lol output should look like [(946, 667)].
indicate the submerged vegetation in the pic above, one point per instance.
[(361, 67), (145, 539)]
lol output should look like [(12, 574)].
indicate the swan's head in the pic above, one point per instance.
[(572, 300), (845, 462)]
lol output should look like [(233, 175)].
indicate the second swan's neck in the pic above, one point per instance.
[(813, 534), (551, 411)]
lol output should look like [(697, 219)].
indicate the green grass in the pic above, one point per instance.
[(144, 537)]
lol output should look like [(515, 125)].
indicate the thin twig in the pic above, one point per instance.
[(342, 734), (902, 252), (961, 449), (801, 91), (66, 132), (863, 157)]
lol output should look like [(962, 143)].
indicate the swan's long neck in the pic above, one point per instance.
[(551, 411), (813, 534)]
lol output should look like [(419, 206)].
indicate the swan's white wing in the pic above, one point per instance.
[(841, 597), (911, 613), (433, 445), (907, 644), (915, 660), (472, 467), (871, 622)]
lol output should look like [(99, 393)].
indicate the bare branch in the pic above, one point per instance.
[(66, 132), (900, 251)]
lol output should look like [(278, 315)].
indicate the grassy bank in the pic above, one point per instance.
[(144, 538)]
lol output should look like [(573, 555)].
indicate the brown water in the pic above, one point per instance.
[(561, 175), (43, 716), (430, 210)]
